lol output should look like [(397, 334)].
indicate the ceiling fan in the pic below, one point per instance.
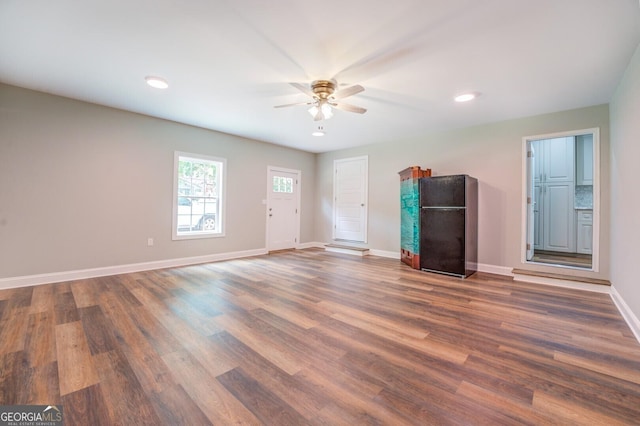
[(324, 96)]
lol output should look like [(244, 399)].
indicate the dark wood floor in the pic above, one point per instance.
[(309, 337)]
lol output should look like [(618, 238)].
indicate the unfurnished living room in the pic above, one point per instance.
[(341, 213)]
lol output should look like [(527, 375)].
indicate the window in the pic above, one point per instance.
[(198, 196), (282, 184)]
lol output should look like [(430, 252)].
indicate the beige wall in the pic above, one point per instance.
[(84, 186), (492, 154), (625, 194)]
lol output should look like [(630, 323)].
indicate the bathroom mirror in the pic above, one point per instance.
[(561, 203)]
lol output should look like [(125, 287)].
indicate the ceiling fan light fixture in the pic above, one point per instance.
[(324, 98), (321, 111), (156, 82), (313, 111), (318, 132), (326, 111)]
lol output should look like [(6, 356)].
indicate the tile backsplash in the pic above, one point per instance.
[(584, 197)]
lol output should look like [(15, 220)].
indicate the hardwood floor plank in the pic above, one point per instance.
[(75, 365), (144, 361), (266, 406), (125, 398), (306, 344), (13, 329), (307, 399), (384, 326), (566, 412), (65, 307), (177, 326), (539, 375), (604, 366), (19, 298), (198, 301), (156, 334), (98, 329), (42, 299), (520, 411), (12, 366), (175, 407), (215, 401), (354, 401), (260, 343), (39, 385), (40, 342), (204, 325), (117, 285), (87, 407), (86, 293)]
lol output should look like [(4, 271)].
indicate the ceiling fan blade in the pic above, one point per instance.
[(348, 107), (349, 91), (304, 89), (296, 104)]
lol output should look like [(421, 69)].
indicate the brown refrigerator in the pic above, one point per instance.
[(449, 225)]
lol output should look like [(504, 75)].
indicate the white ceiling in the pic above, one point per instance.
[(228, 62)]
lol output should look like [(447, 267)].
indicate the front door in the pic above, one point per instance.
[(283, 207)]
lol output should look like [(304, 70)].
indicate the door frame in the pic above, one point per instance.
[(530, 192), (267, 201), (595, 255)]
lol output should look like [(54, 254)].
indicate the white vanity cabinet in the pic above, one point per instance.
[(585, 231)]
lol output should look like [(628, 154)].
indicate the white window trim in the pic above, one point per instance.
[(222, 195)]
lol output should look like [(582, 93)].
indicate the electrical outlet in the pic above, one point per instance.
[(149, 242)]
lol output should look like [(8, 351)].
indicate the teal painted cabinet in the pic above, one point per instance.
[(410, 214)]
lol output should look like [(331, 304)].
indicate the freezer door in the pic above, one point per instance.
[(442, 191), (442, 240)]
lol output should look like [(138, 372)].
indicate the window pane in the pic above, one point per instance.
[(282, 184)]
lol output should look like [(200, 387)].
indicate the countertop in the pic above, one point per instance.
[(583, 198)]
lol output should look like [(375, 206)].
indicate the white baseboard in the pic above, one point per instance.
[(56, 277), (626, 312), (385, 253), (313, 244), (494, 269), (596, 288)]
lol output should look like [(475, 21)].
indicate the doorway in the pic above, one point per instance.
[(283, 208), (561, 199)]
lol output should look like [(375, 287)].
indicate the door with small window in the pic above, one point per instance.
[(283, 208)]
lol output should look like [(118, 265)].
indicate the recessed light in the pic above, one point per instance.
[(318, 132), (465, 97), (157, 82)]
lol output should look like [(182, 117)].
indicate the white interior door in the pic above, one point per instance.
[(350, 199), (283, 208)]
